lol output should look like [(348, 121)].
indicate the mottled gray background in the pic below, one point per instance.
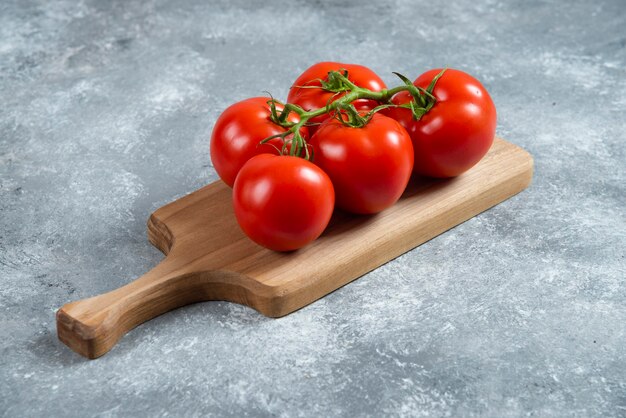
[(105, 113)]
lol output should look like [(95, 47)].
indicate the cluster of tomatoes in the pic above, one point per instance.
[(357, 155)]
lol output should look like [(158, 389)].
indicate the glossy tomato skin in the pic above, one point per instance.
[(238, 132), (459, 129), (315, 98), (370, 166), (282, 202)]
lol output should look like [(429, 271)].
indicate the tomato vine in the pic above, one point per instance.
[(295, 144)]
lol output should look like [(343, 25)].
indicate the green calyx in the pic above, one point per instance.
[(337, 82), (349, 116), (423, 99)]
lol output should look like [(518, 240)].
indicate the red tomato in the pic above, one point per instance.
[(316, 98), (282, 202), (369, 166), (459, 129), (237, 134)]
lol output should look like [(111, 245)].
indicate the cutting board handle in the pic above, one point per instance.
[(92, 326)]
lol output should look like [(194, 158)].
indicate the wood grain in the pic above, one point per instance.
[(209, 258)]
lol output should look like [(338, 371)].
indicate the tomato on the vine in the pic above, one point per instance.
[(282, 202), (238, 132), (456, 132), (369, 166), (307, 92)]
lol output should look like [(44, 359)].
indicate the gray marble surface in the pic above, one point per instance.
[(105, 113)]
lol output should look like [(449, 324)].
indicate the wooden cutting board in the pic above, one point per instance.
[(209, 258)]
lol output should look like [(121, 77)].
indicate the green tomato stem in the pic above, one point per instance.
[(423, 101)]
